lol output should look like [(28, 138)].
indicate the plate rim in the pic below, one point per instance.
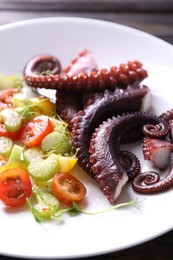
[(25, 22), (96, 21)]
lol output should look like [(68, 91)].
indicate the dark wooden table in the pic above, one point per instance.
[(152, 16)]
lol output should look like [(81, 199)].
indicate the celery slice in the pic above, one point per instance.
[(16, 153), (20, 100), (43, 170), (33, 154), (57, 142), (12, 119), (6, 145)]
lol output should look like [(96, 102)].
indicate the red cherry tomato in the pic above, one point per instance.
[(12, 135), (36, 130), (15, 186), (67, 188)]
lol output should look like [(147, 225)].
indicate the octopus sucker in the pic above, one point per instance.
[(87, 80), (100, 107), (106, 155)]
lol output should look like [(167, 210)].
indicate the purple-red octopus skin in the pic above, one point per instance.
[(151, 183), (99, 108), (97, 80)]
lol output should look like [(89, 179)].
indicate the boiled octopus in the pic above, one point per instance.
[(105, 151), (96, 103), (159, 151), (131, 163), (85, 81), (99, 108), (69, 105), (150, 182), (168, 115)]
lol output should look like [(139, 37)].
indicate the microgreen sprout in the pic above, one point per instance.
[(75, 209), (137, 203), (46, 73), (35, 212)]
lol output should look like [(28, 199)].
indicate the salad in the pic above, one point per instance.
[(36, 156)]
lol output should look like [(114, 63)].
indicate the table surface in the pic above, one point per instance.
[(152, 16)]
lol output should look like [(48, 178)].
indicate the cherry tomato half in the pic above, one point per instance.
[(67, 188), (15, 186), (36, 130), (12, 135)]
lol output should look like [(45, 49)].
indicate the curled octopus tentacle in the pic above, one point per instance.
[(106, 155), (99, 108), (150, 182), (131, 163), (42, 65), (67, 104), (96, 80), (158, 131)]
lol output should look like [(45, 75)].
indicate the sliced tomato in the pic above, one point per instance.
[(12, 135), (15, 186), (67, 188), (36, 130), (6, 97)]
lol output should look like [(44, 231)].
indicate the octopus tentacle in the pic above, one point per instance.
[(84, 62), (171, 128), (106, 155), (158, 131), (167, 116), (131, 163), (69, 104), (156, 185), (99, 108), (42, 64), (130, 73), (158, 151)]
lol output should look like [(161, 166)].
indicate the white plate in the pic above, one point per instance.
[(84, 235)]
